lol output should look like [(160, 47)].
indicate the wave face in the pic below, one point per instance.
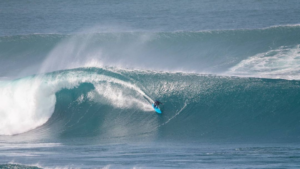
[(116, 104), (230, 84)]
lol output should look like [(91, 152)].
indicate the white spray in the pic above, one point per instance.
[(29, 102)]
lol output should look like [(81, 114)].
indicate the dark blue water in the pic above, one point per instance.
[(28, 17), (77, 80)]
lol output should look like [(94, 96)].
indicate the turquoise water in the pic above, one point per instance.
[(77, 80)]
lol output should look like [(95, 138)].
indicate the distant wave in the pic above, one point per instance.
[(205, 52)]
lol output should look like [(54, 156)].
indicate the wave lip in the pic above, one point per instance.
[(116, 105), (29, 102), (24, 105)]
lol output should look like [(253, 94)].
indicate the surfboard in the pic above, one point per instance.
[(156, 109)]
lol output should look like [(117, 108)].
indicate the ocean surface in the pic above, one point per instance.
[(77, 80)]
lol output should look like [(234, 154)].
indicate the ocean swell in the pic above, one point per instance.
[(206, 52), (116, 104)]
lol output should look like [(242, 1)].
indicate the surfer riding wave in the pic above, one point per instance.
[(157, 103)]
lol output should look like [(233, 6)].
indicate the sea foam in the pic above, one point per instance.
[(29, 102)]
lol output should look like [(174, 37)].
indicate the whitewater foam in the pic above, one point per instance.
[(29, 102), (118, 96), (24, 105), (281, 63)]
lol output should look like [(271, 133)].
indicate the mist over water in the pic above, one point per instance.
[(204, 52)]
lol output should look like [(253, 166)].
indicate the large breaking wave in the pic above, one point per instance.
[(101, 103), (101, 85), (29, 102)]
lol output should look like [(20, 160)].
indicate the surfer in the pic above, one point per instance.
[(156, 103)]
